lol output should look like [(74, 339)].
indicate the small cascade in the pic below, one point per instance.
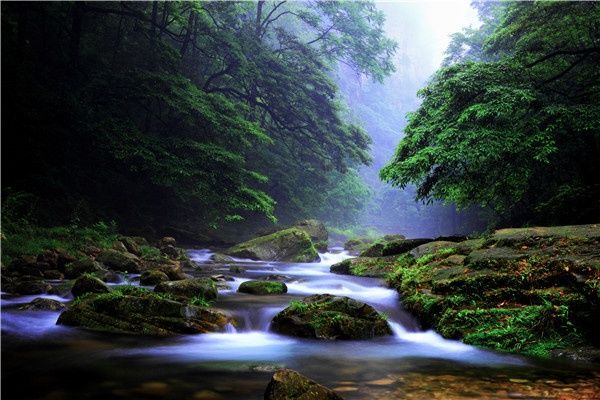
[(200, 256), (229, 328)]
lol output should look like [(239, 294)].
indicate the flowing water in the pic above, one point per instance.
[(41, 360)]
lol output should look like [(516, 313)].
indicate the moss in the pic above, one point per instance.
[(151, 253), (263, 287), (531, 330), (200, 301)]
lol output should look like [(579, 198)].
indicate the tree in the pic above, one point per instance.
[(517, 127)]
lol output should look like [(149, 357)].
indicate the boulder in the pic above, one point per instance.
[(88, 284), (291, 244), (119, 261), (30, 285), (263, 287), (431, 248), (277, 277), (188, 288), (170, 268), (220, 258), (375, 267), (153, 277), (131, 245), (53, 274), (392, 245), (41, 304), (170, 251), (167, 241), (287, 384), (25, 265), (236, 269), (49, 257), (137, 311), (314, 228), (328, 317), (396, 247), (119, 246), (80, 267)]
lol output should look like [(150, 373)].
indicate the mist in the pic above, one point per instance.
[(422, 31)]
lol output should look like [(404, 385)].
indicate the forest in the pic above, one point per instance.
[(317, 199)]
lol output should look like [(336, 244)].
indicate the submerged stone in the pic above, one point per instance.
[(287, 384)]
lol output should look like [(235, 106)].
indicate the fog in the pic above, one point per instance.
[(422, 31)]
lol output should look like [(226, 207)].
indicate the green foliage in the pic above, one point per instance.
[(499, 128), (532, 330), (22, 237), (150, 253), (214, 113), (200, 301), (296, 305)]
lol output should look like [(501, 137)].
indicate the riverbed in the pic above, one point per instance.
[(42, 360)]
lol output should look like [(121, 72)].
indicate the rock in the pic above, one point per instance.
[(153, 277), (287, 384), (329, 317), (63, 258), (167, 241), (119, 246), (290, 244), (220, 258), (431, 247), (353, 244), (91, 251), (53, 274), (221, 278), (375, 267), (137, 311), (118, 261), (29, 285), (131, 245), (79, 267), (49, 257), (188, 288), (170, 268), (41, 304), (517, 237), (402, 246), (24, 265), (321, 246), (88, 284), (263, 287), (314, 228), (236, 269), (170, 251), (62, 289)]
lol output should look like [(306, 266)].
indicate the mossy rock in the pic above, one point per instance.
[(263, 287), (329, 317), (136, 311), (431, 248), (170, 268), (315, 229), (119, 261), (80, 267), (375, 267), (153, 277), (495, 258), (291, 244), (383, 247), (88, 284), (221, 258), (28, 285), (515, 237), (287, 384), (41, 304), (188, 288), (133, 244)]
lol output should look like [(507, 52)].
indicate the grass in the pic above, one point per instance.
[(200, 301), (150, 253), (299, 306), (23, 238)]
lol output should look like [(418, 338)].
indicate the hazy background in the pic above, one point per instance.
[(422, 31)]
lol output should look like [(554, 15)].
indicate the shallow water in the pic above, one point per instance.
[(46, 361)]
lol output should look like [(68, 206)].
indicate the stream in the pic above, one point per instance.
[(41, 360)]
